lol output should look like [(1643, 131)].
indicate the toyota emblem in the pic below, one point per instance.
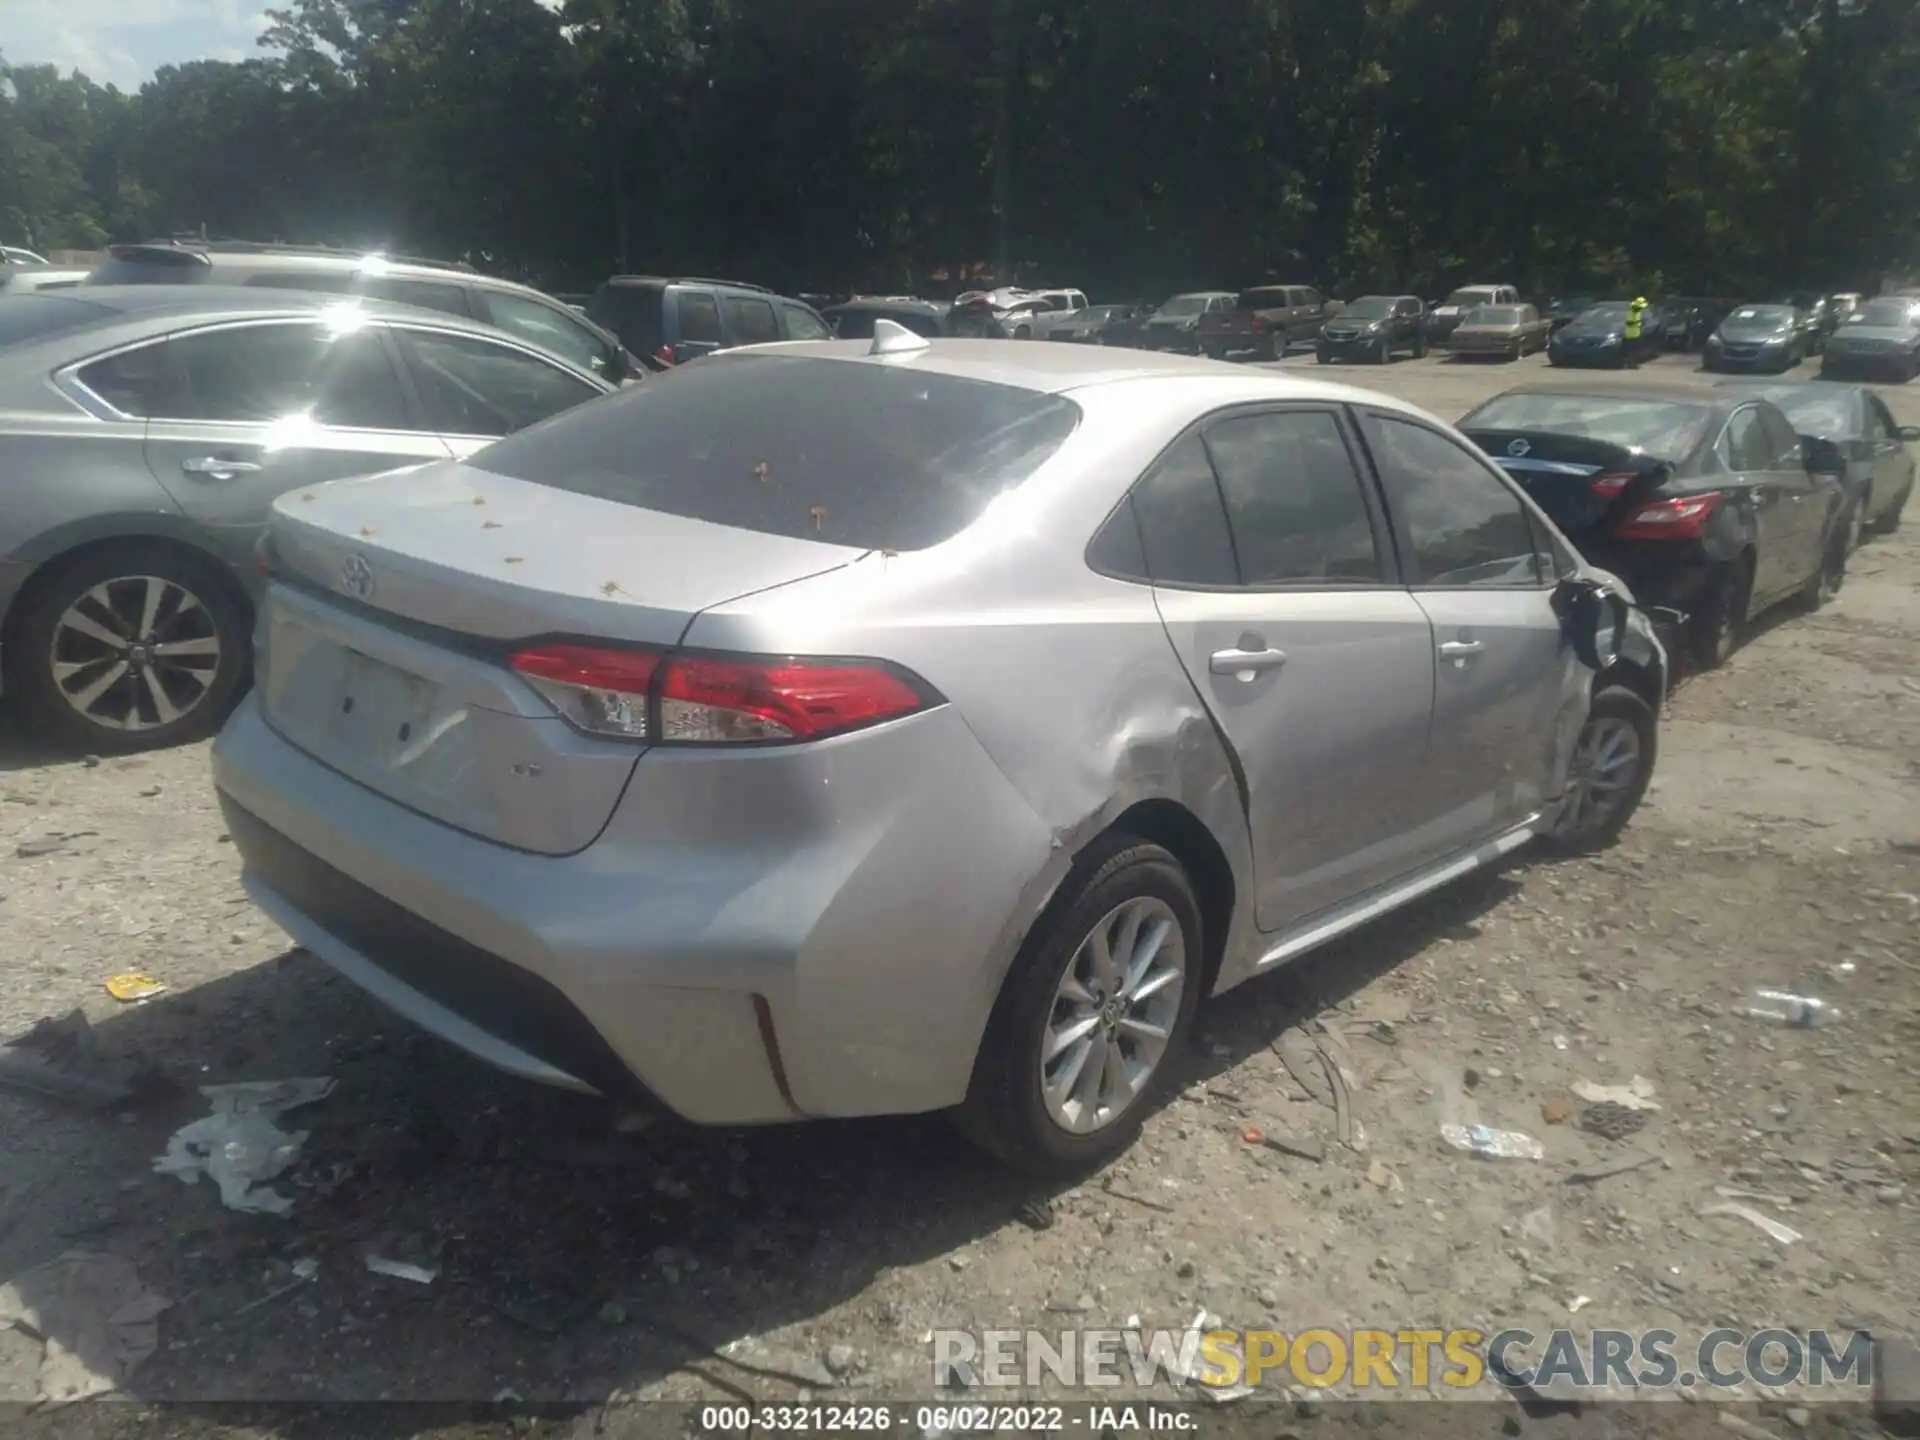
[(1515, 448), (356, 577)]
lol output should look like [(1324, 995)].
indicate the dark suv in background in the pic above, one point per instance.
[(527, 314), (671, 321), (1372, 328)]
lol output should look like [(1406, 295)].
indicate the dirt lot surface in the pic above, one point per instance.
[(1780, 847)]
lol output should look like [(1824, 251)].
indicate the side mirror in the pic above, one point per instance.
[(1910, 434), (1822, 457), (1594, 618)]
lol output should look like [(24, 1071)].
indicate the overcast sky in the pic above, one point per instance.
[(122, 42)]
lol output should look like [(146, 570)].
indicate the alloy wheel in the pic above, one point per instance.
[(1606, 761), (135, 653), (1112, 1015)]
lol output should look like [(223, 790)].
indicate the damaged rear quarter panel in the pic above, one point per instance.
[(1065, 678)]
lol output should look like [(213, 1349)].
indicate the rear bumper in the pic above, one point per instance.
[(719, 949), (1669, 575)]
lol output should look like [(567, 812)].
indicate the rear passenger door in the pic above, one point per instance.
[(697, 329), (1509, 693), (749, 320), (1275, 586), (239, 414), (476, 390), (1746, 453), (1892, 466)]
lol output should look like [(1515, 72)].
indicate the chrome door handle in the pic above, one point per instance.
[(218, 468), (1245, 663), (1460, 649)]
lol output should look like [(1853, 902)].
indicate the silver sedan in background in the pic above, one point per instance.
[(845, 729), (145, 430)]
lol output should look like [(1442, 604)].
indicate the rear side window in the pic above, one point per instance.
[(1743, 444), (632, 312), (804, 324), (1182, 525), (427, 294), (256, 374), (752, 321), (699, 318), (1293, 499), (550, 329), (1461, 526), (763, 442), (475, 387), (1782, 444), (33, 317), (330, 282)]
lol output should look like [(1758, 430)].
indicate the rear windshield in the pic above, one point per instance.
[(30, 317), (1667, 432), (632, 312), (1494, 315), (766, 443), (1184, 305), (1816, 410), (1469, 297), (184, 269), (1884, 312), (1262, 300)]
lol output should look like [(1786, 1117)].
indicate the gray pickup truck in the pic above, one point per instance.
[(1266, 320)]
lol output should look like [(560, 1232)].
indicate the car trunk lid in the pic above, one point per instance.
[(403, 596), (1586, 486)]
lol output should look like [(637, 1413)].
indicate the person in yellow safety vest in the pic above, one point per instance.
[(1636, 317)]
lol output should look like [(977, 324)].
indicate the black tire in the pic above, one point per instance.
[(1320, 357), (1383, 353), (1823, 586), (1420, 346), (1720, 622), (1023, 332), (1004, 1112), (203, 694), (1268, 350), (1890, 522), (1581, 831)]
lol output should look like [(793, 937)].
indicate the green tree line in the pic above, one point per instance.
[(1127, 146)]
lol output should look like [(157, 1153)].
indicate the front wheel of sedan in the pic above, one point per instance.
[(1612, 765), (1083, 1038), (130, 647)]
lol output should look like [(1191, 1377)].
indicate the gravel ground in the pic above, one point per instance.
[(1780, 847)]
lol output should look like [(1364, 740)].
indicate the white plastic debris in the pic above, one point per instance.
[(402, 1270), (239, 1146), (95, 1318), (1493, 1144), (1194, 1374), (1636, 1094), (1785, 1234), (1579, 1303)]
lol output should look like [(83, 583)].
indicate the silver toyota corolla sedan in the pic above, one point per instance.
[(844, 729)]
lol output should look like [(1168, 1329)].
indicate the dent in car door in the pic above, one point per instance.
[(248, 412), (1742, 448), (1812, 501), (1316, 669), (1509, 692)]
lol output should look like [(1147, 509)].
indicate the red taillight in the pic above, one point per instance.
[(711, 699), (1608, 487), (639, 695), (1257, 323), (1682, 518), (600, 691), (664, 355)]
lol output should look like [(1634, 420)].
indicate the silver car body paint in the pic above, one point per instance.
[(872, 889)]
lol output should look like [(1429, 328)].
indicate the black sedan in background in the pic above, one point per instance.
[(1563, 310), (1597, 337), (1880, 468), (1768, 339), (1882, 337), (1709, 505), (853, 319)]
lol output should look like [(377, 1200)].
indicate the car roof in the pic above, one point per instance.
[(1059, 369), (1203, 294), (136, 306)]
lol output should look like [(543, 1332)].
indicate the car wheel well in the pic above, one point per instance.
[(48, 571), (1631, 675), (1180, 832)]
